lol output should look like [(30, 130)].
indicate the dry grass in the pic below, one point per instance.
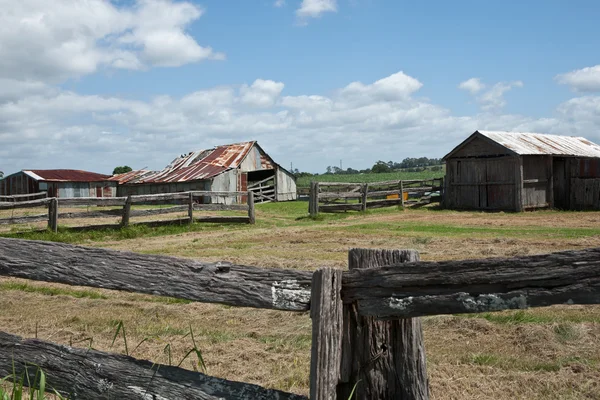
[(535, 354)]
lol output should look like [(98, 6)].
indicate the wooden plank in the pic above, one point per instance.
[(226, 219), (191, 208), (251, 210), (149, 198), (91, 201), (387, 358), (214, 282), (259, 183), (518, 184), (384, 192), (97, 375), (340, 207), (158, 211), (206, 193), (327, 323), (313, 202), (25, 204), (342, 184), (24, 220), (384, 203), (470, 286), (363, 197), (220, 207), (91, 214), (16, 197), (340, 195)]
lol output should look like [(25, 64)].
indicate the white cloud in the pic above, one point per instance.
[(51, 41), (315, 8), (45, 127), (262, 93), (279, 3), (473, 85), (582, 80), (491, 99)]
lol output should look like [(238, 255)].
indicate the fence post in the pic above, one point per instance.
[(386, 358), (365, 192), (53, 215), (402, 192), (126, 212), (326, 350), (191, 208), (313, 200), (251, 210)]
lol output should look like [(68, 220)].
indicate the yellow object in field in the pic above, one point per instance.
[(392, 196), (405, 196)]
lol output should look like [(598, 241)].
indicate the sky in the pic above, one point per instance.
[(96, 84)]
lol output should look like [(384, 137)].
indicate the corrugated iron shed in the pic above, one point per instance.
[(543, 144), (197, 165), (65, 175)]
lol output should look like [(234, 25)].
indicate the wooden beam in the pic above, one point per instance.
[(91, 201), (220, 207), (53, 215), (251, 210), (96, 375), (213, 282), (340, 207), (327, 323), (472, 286), (518, 183), (225, 219), (126, 212), (25, 204), (363, 197), (24, 220), (385, 358)]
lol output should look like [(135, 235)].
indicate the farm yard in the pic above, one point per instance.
[(304, 181), (538, 353)]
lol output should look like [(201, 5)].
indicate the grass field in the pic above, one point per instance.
[(365, 178), (540, 353)]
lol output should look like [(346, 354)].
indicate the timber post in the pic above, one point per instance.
[(384, 359), (191, 208), (327, 322), (313, 200), (251, 208), (402, 193), (53, 215), (126, 212), (363, 198)]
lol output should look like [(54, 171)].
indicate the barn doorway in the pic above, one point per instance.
[(263, 184), (559, 176)]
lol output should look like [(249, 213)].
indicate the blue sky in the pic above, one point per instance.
[(102, 84)]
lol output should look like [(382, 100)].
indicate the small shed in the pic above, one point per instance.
[(62, 183), (515, 171), (232, 167)]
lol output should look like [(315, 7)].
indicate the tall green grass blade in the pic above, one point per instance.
[(42, 385), (120, 327)]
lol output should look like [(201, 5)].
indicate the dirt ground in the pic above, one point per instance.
[(540, 353)]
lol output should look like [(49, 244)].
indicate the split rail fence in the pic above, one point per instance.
[(184, 201), (338, 196), (264, 191), (366, 331)]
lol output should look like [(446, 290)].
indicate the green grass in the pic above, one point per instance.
[(536, 317), (51, 291), (367, 178)]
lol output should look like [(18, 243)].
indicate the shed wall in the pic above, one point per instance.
[(286, 186), (535, 181)]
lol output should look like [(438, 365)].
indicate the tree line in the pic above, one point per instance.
[(409, 164)]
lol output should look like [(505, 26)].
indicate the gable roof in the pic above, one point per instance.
[(524, 143), (65, 175), (197, 165)]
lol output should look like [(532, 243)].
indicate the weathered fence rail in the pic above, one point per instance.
[(335, 196), (368, 311), (193, 202), (23, 197)]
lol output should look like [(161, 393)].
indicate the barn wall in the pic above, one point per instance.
[(286, 185), (225, 182), (535, 181), (480, 183), (584, 183), (255, 161), (18, 183), (479, 147)]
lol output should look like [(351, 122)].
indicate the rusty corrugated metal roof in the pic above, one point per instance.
[(197, 165), (542, 144), (65, 175)]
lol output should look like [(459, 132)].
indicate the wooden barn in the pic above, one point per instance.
[(62, 183), (233, 167), (518, 171)]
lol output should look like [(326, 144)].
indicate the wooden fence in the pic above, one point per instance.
[(338, 196), (23, 197), (264, 191), (190, 201), (366, 334)]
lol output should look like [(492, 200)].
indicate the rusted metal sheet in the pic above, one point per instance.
[(543, 144), (65, 175), (197, 165)]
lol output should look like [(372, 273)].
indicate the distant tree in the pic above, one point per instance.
[(1, 174), (380, 167), (122, 170)]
